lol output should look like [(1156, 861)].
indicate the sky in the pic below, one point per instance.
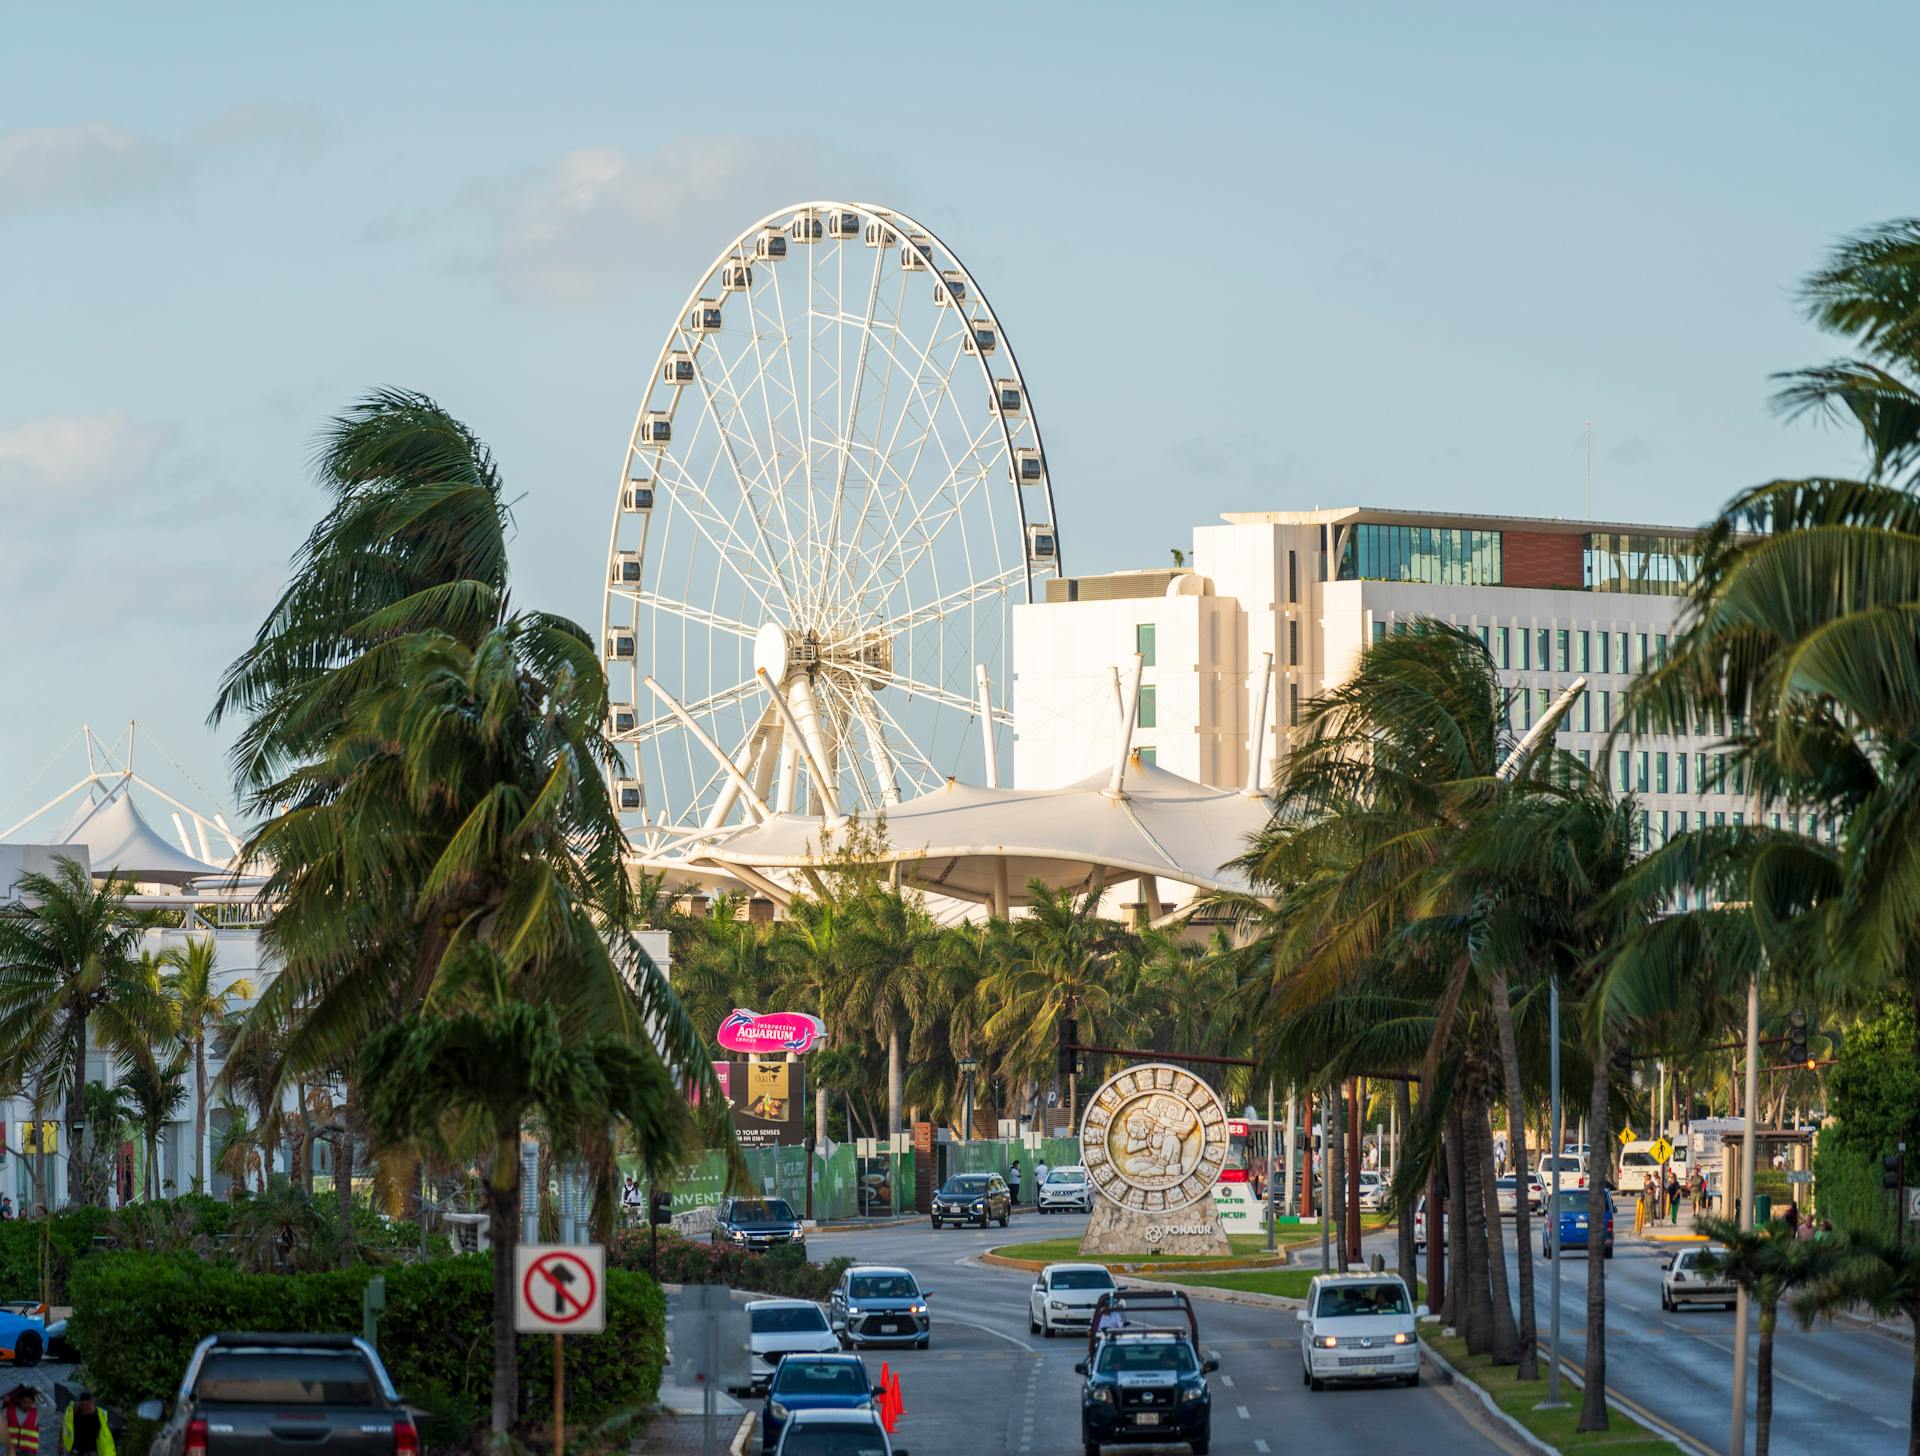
[(1252, 257)]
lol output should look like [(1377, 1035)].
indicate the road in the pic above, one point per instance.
[(988, 1386), (1837, 1387)]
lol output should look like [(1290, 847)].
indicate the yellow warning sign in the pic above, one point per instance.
[(1627, 1135), (1661, 1150)]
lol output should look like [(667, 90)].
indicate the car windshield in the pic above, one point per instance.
[(1082, 1279), (967, 1183), (834, 1441), (787, 1319), (1341, 1300), (1565, 1165), (1067, 1175), (882, 1286), (1571, 1203), (1130, 1357), (770, 1210), (305, 1378), (1506, 1183), (821, 1377)]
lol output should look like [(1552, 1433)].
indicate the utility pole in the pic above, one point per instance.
[(1743, 1309), (1273, 1177), (1293, 1150)]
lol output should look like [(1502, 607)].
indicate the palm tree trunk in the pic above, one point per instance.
[(1335, 1193), (1459, 1311), (503, 1232), (77, 1097), (1593, 1395), (1403, 1242), (1763, 1381), (896, 1090), (200, 1114), (343, 1189), (1517, 1124), (1479, 1294), (1506, 1339)]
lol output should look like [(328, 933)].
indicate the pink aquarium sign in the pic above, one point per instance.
[(781, 1031)]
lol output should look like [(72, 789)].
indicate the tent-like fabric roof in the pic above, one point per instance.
[(120, 842), (953, 839)]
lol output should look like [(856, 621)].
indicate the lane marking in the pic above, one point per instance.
[(1241, 1411), (1897, 1425), (1260, 1445), (1013, 1340), (1227, 1380)]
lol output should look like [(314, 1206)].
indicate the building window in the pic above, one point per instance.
[(1581, 654), (1562, 661), (1620, 641), (1149, 756), (1293, 643), (1502, 647), (1604, 641), (1149, 711), (1438, 555), (1143, 636), (1738, 818), (1739, 776), (1719, 819), (1665, 832), (1586, 712), (1660, 773), (1640, 778), (1606, 710), (1526, 649), (1379, 630), (1546, 640), (1293, 702), (1679, 773), (1621, 782), (1293, 577), (1719, 773), (1660, 648), (1486, 638), (1639, 563)]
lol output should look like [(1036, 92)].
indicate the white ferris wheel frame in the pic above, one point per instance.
[(1017, 432)]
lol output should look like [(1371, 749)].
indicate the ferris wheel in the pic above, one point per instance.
[(834, 495)]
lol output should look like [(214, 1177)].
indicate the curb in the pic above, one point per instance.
[(738, 1446), (1500, 1417)]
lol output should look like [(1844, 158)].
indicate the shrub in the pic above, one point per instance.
[(687, 1261), (1847, 1189), (70, 1236), (435, 1334)]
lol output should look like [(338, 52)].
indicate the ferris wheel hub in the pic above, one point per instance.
[(770, 651)]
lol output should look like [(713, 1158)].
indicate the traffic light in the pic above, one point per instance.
[(1892, 1172), (1796, 1036), (1068, 1037), (660, 1206)]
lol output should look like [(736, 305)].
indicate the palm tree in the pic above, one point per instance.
[(1884, 1275), (889, 943), (71, 960), (1769, 1263), (239, 1152), (428, 1075), (1866, 293), (157, 1091), (196, 1007)]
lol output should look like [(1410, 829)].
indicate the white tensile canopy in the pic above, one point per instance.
[(120, 842), (984, 845)]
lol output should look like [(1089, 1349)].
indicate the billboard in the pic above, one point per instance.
[(778, 1031), (766, 1102)]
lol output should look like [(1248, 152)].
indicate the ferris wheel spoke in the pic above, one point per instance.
[(745, 482), (873, 677), (906, 752), (953, 601), (684, 609), (845, 420), (737, 555), (713, 703), (802, 409)]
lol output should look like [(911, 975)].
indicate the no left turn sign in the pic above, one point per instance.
[(562, 1289)]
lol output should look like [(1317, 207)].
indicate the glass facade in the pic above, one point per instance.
[(1149, 713), (1638, 563), (1143, 643), (1441, 555)]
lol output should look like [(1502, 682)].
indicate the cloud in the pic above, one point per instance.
[(74, 452), (578, 228), (295, 133), (1244, 459), (54, 168), (1631, 450)]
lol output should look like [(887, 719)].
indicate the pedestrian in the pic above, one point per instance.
[(1013, 1179), (1110, 1319), (6, 1205), (1791, 1217), (83, 1430), (1806, 1228), (1039, 1175), (1673, 1197), (20, 1412), (1651, 1193)]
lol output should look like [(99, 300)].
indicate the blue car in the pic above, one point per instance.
[(25, 1334), (813, 1382), (1570, 1213)]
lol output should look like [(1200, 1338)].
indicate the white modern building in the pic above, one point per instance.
[(1552, 600)]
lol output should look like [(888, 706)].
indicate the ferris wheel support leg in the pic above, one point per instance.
[(1257, 740), (1002, 900), (809, 742), (730, 791), (701, 737), (1129, 714), (877, 749), (985, 689)]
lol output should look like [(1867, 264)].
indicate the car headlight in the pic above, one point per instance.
[(777, 1411), (1193, 1393), (1327, 1342), (916, 1309), (1403, 1339), (1101, 1394), (977, 1204), (853, 1310), (739, 1236), (1056, 1304)]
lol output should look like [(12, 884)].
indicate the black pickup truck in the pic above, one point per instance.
[(284, 1395)]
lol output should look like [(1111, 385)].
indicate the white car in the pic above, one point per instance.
[(1684, 1281), (1063, 1297), (1359, 1327), (1066, 1189), (1506, 1191), (781, 1327), (1420, 1225), (1373, 1191), (1571, 1166), (834, 1433)]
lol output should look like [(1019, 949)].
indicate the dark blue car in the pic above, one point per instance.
[(813, 1382), (1570, 1212)]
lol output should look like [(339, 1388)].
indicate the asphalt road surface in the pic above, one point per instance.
[(1836, 1387), (989, 1386)]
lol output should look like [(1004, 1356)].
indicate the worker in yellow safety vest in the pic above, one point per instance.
[(84, 1430)]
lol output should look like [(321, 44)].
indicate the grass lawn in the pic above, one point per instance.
[(1626, 1437), (1291, 1282), (1245, 1246)]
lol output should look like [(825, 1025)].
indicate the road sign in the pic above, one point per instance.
[(562, 1289), (1661, 1150), (1627, 1135), (710, 1337), (1799, 1175), (1913, 1205)]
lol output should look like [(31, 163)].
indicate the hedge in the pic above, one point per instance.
[(690, 1261), (1847, 1190), (71, 1237), (137, 1318)]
